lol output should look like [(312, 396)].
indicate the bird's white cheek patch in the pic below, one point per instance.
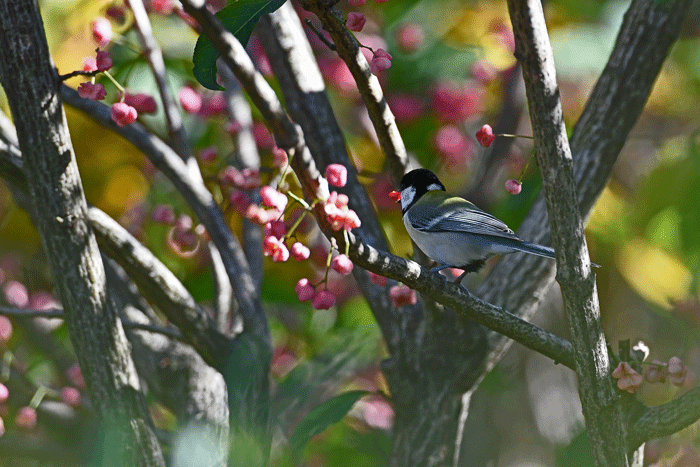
[(434, 186), (407, 196)]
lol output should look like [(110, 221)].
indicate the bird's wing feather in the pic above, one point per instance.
[(440, 213)]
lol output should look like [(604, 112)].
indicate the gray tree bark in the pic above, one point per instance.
[(31, 84)]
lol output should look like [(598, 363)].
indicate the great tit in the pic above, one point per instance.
[(451, 230)]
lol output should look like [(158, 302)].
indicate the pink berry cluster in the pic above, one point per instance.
[(193, 102), (129, 105), (628, 379), (15, 293)]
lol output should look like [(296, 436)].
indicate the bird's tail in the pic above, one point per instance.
[(540, 250)]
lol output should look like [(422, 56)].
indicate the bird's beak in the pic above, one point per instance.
[(395, 195)]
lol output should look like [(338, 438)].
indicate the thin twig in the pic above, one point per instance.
[(154, 57)]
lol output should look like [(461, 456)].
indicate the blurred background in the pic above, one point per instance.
[(452, 71)]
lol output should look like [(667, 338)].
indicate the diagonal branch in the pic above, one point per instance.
[(200, 200), (379, 112), (158, 284)]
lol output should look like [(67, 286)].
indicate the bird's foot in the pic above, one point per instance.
[(439, 268)]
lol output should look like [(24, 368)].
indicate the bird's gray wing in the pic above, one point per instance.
[(462, 217)]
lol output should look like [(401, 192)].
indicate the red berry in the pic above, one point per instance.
[(26, 418), (102, 31), (341, 264), (190, 100), (123, 114), (143, 103), (305, 291), (323, 300), (356, 21), (514, 187), (401, 295), (88, 90), (485, 136), (103, 61), (337, 175)]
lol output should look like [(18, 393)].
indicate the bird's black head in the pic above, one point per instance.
[(415, 184)]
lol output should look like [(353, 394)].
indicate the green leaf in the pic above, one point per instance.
[(239, 18), (323, 416)]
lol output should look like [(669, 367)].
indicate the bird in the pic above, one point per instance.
[(451, 230)]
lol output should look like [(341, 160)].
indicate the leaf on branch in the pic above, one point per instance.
[(239, 18), (323, 416)]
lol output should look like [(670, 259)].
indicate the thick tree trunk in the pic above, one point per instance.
[(31, 83)]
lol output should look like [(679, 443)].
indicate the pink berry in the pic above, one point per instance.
[(2, 426), (406, 108), (214, 105), (627, 378), (262, 136), (300, 251), (143, 103), (337, 175), (272, 246), (96, 91), (380, 62), (16, 294), (513, 187), (453, 145), (75, 376), (275, 228), (454, 101), (164, 7), (70, 396), (342, 264), (26, 418), (485, 136), (123, 114), (356, 2), (656, 373), (273, 198), (102, 31), (377, 279), (409, 37), (164, 214), (356, 21), (103, 61), (190, 100), (279, 157), (401, 296), (207, 154), (5, 329), (233, 128), (323, 300), (4, 393), (305, 290), (89, 64)]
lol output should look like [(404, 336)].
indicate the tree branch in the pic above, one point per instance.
[(200, 200), (603, 415), (293, 62), (647, 33), (379, 112), (30, 81)]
